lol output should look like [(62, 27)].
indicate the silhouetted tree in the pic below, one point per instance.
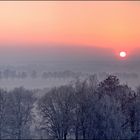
[(3, 114), (56, 108), (20, 113)]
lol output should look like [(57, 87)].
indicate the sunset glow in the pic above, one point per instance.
[(122, 54), (103, 24), (90, 23)]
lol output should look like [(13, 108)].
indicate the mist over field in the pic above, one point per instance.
[(74, 59)]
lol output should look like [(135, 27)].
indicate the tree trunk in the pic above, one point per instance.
[(0, 134), (76, 133), (65, 136), (84, 134), (19, 134)]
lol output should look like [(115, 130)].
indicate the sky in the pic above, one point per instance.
[(33, 28)]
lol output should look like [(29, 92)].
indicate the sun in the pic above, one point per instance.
[(122, 54)]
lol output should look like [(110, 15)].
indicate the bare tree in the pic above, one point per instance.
[(84, 100), (20, 113), (56, 108), (3, 114)]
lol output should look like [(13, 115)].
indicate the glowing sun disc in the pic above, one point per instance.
[(122, 54)]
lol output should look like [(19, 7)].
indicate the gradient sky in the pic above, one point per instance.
[(113, 25)]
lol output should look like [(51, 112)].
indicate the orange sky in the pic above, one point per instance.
[(113, 24)]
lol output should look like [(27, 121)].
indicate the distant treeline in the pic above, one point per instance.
[(7, 73), (85, 109), (15, 74)]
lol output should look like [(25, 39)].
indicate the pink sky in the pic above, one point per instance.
[(113, 24)]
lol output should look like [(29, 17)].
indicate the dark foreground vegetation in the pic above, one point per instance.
[(82, 110)]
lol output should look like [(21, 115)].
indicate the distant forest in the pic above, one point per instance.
[(84, 109), (33, 74)]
